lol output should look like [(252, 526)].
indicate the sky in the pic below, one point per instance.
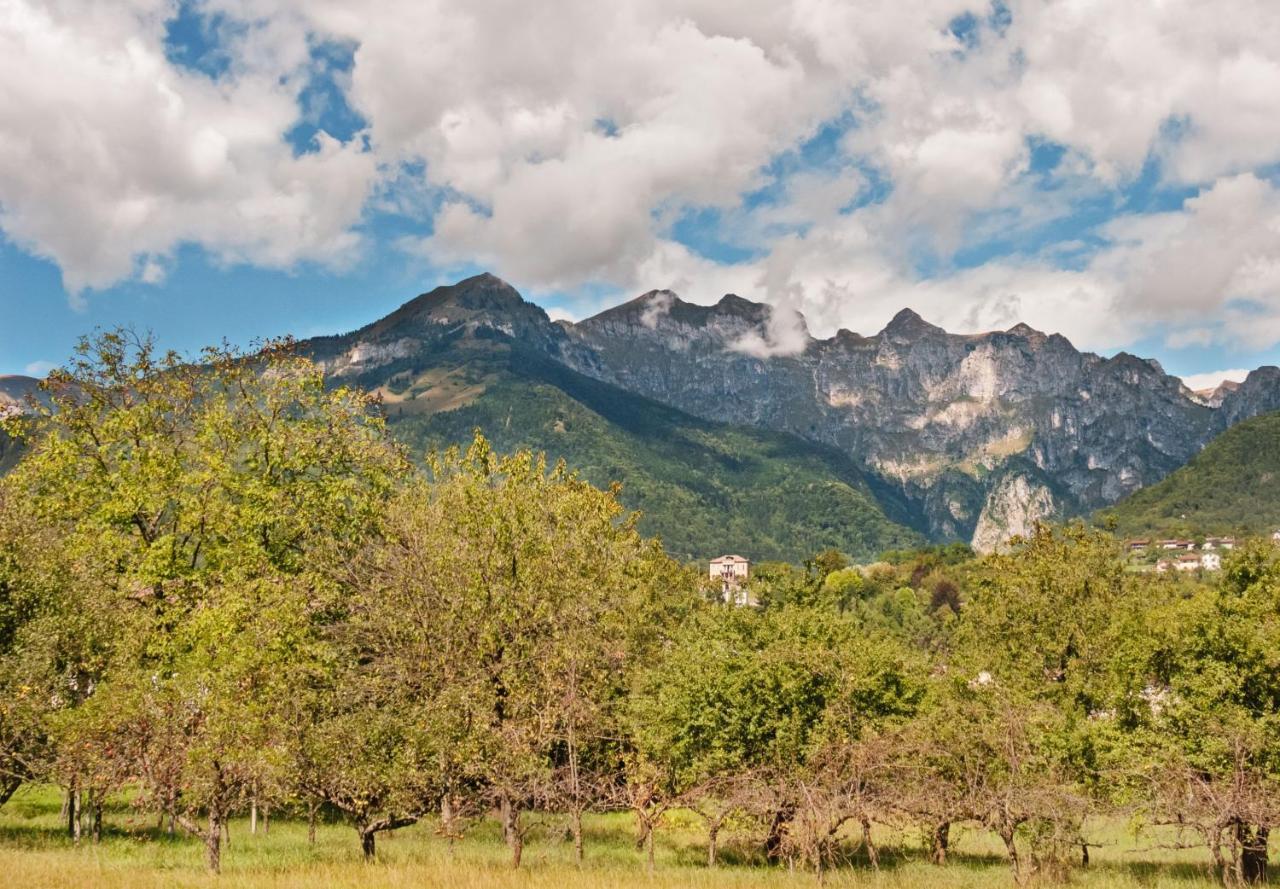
[(236, 169)]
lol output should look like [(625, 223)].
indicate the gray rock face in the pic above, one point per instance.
[(1013, 507), (949, 419), (15, 390), (982, 434)]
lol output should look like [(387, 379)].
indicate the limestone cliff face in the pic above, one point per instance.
[(944, 417), (1012, 509), (980, 434)]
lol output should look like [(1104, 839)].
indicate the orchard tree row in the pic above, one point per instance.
[(224, 587)]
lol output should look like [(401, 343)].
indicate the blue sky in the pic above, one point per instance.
[(213, 169)]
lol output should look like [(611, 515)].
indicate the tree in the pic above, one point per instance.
[(745, 704), (191, 499), (504, 603), (28, 680), (1198, 713), (1007, 735)]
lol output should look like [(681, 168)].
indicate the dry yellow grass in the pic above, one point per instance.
[(133, 855)]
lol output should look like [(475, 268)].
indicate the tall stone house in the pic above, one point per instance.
[(732, 572)]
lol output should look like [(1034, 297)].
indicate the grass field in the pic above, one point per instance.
[(35, 852)]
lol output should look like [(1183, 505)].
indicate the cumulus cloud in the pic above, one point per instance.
[(785, 334), (657, 307), (1214, 379), (111, 156), (561, 145)]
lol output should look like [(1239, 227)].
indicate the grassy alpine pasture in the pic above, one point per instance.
[(133, 854)]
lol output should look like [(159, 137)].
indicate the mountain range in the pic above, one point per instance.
[(733, 429), (958, 437)]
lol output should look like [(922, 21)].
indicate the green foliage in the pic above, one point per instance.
[(189, 503), (495, 618), (740, 691), (222, 584), (1232, 486)]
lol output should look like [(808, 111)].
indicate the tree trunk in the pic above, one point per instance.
[(575, 825), (8, 787), (312, 808), (648, 842), (1219, 861), (873, 854), (941, 842), (713, 836), (72, 809), (773, 842), (368, 843), (253, 814), (1011, 846), (95, 816), (1253, 853), (213, 840), (446, 817), (511, 830), (77, 814)]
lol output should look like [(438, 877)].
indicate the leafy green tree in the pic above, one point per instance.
[(1198, 714), (503, 605), (191, 499), (742, 699), (1007, 737)]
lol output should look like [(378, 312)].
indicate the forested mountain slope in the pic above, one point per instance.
[(1233, 485)]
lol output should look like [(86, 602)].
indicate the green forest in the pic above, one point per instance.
[(228, 593)]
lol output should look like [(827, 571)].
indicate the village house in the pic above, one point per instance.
[(1219, 543), (1189, 562), (732, 572), (1137, 546), (1177, 544)]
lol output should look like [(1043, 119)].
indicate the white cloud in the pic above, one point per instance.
[(109, 153), (39, 368), (560, 313), (1214, 379), (558, 145), (658, 306)]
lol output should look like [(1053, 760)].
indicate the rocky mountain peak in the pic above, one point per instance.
[(1258, 394), (976, 434), (908, 325), (1023, 329), (481, 293), (483, 299), (736, 306), (15, 389)]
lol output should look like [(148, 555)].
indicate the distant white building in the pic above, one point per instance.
[(732, 572), (1187, 563)]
